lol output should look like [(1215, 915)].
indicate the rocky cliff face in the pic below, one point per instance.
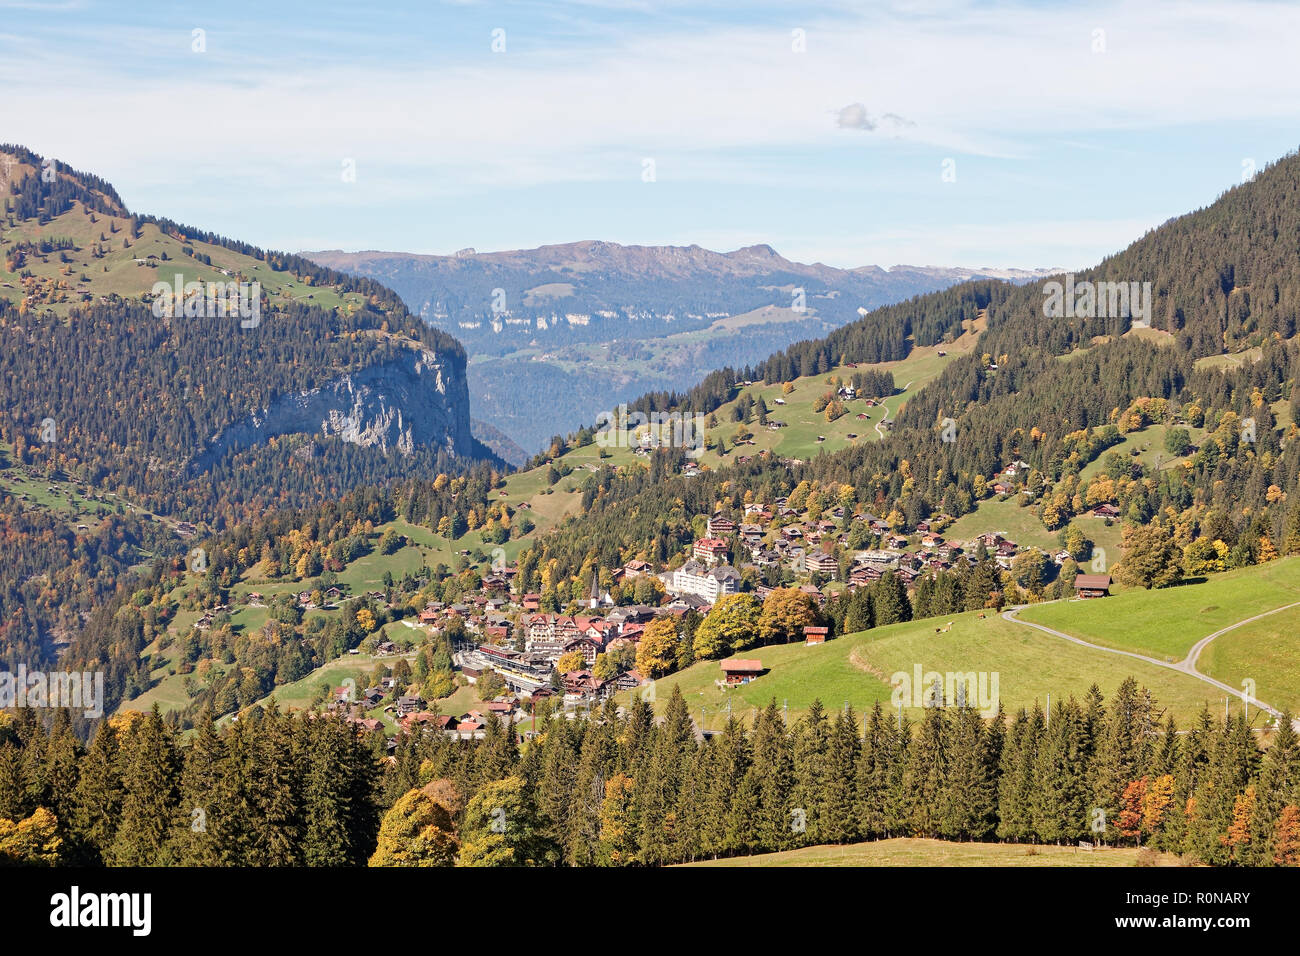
[(419, 399)]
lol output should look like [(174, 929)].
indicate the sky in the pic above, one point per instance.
[(932, 132)]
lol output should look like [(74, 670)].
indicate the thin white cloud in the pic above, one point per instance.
[(980, 79)]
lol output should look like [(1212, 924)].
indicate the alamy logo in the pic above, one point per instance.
[(74, 908), (1098, 300), (209, 300), (933, 689), (77, 691)]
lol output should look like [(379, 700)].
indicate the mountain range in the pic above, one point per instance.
[(579, 327)]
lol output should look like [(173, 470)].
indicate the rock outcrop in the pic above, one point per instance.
[(420, 399)]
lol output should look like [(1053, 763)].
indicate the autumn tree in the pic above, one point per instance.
[(656, 652)]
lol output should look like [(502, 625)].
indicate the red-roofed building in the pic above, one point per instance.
[(710, 550), (741, 670), (816, 635)]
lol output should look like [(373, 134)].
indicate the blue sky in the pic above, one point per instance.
[(1071, 127)]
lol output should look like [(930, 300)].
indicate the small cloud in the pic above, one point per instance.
[(896, 121), (855, 116)]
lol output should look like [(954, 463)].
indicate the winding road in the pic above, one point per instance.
[(1186, 666), (886, 415)]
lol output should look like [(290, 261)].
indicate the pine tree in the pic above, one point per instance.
[(198, 835), (1018, 758), (98, 803), (926, 772), (1279, 786), (808, 794), (839, 822), (773, 770), (559, 777), (274, 788), (967, 805), (151, 792), (1061, 808)]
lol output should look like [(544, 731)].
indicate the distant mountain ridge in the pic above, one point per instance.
[(581, 326)]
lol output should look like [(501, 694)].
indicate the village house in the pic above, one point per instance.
[(710, 550), (720, 526), (740, 670), (815, 635), (1092, 585), (409, 704), (636, 567), (820, 562)]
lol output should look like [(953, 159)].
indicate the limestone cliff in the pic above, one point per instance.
[(419, 399)]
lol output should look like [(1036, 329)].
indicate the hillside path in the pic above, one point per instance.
[(886, 415), (1186, 666)]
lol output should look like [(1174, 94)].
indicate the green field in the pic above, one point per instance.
[(859, 669), (1165, 623), (1265, 651), (908, 851), (1149, 446), (1018, 524), (131, 270)]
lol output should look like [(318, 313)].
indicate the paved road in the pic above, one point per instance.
[(1186, 666)]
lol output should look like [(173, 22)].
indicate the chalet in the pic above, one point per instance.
[(502, 709), (813, 593), (864, 575), (816, 635), (710, 550), (1105, 511), (532, 602), (589, 648), (1002, 488), (721, 526), (821, 563), (629, 680), (636, 568), (409, 704), (1092, 585), (931, 540), (740, 670), (621, 616), (470, 730), (385, 647)]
